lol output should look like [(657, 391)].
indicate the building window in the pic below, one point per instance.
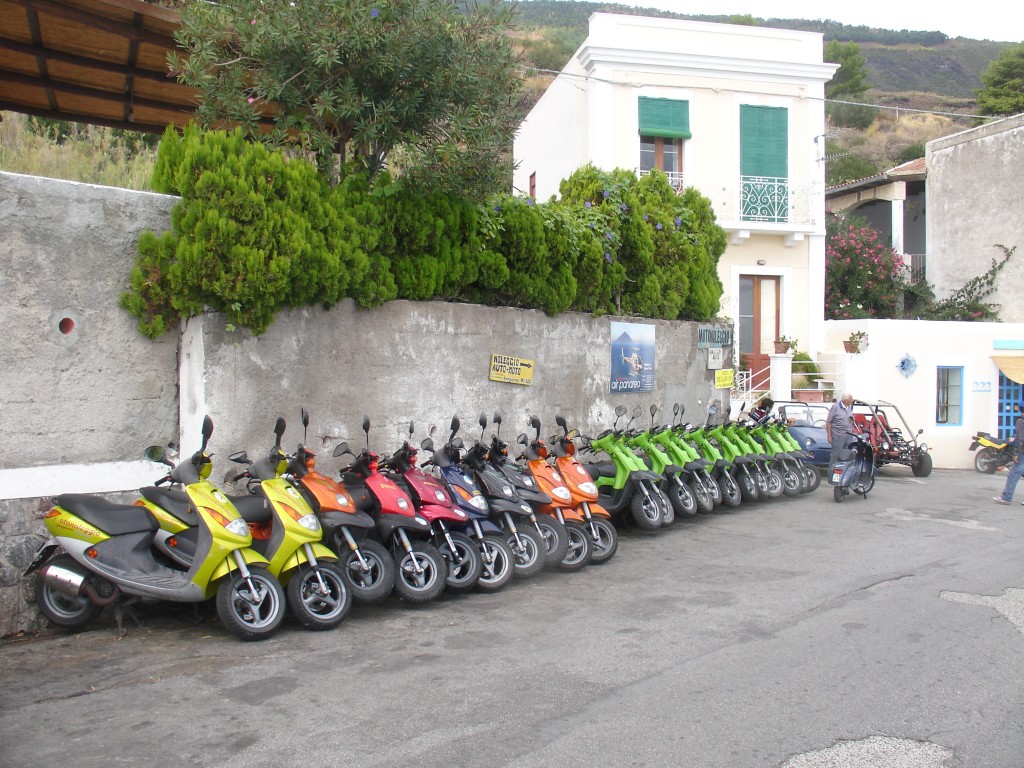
[(949, 396), (764, 163), (664, 125), (533, 185)]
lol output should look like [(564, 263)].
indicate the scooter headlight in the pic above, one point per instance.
[(561, 492), (342, 500), (309, 522), (923, 447), (479, 502), (507, 490), (528, 481), (403, 504), (439, 495), (238, 527), (588, 487)]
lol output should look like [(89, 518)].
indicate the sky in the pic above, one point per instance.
[(1001, 20)]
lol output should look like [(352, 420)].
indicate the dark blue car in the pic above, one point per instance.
[(806, 422)]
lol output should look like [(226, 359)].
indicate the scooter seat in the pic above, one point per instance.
[(253, 509), (175, 502), (111, 518), (600, 469), (697, 465)]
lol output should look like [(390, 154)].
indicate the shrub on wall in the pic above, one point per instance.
[(256, 232)]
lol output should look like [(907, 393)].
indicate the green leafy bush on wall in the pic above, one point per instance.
[(256, 232)]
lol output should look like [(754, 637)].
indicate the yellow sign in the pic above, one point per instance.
[(725, 378), (513, 370)]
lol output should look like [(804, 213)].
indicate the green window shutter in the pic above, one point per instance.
[(665, 118), (764, 141)]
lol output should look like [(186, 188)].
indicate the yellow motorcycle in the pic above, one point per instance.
[(992, 452)]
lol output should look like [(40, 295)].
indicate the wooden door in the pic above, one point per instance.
[(759, 325)]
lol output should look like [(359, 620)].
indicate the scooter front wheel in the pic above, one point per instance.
[(604, 539), (646, 510), (315, 605), (705, 501), (253, 608), (730, 491), (580, 550), (837, 494), (421, 573), (812, 477), (373, 583), (682, 498), (529, 553), (556, 539), (64, 610), (863, 488), (792, 485), (497, 562), (464, 564)]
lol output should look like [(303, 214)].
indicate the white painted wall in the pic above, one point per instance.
[(873, 374)]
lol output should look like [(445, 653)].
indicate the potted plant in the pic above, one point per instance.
[(784, 344), (856, 340)]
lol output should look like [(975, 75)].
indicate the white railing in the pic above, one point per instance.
[(675, 179), (774, 200)]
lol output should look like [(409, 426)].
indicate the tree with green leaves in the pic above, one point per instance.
[(351, 81), (851, 79), (1003, 93)]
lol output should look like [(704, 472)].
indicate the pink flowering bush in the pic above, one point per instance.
[(864, 277)]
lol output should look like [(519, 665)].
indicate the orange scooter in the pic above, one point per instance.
[(561, 506), (597, 521)]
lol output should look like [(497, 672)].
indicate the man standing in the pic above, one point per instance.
[(1018, 463), (839, 427)]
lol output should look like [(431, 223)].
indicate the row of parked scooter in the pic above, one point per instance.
[(301, 541)]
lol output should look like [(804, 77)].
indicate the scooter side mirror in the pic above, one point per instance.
[(620, 410), (560, 421), (207, 430), (341, 449), (482, 420), (240, 457), (158, 454), (455, 424), (427, 444), (305, 418), (636, 412), (366, 425), (279, 427), (412, 428), (496, 418), (654, 410), (522, 439), (920, 431)]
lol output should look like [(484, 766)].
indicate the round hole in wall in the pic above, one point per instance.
[(66, 325)]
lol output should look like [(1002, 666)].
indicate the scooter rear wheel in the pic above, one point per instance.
[(308, 603), (837, 494), (64, 610), (237, 611), (497, 562), (986, 461)]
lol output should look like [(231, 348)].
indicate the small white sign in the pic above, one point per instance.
[(716, 358)]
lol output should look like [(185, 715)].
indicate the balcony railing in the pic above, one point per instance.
[(675, 179), (764, 198)]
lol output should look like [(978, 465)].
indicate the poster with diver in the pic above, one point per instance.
[(632, 357)]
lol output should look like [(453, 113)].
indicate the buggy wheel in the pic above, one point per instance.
[(923, 466)]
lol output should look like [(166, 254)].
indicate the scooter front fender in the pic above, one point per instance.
[(228, 564)]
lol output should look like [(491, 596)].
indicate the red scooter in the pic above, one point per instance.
[(422, 569), (432, 502)]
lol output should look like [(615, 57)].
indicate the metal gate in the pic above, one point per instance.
[(1010, 394)]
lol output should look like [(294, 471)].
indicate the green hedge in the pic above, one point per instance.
[(256, 232)]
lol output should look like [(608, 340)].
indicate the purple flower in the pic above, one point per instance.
[(608, 257), (587, 204), (646, 217), (658, 225), (679, 222), (607, 194), (623, 206), (374, 13), (608, 235)]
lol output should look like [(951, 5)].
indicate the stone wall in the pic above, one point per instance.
[(84, 393)]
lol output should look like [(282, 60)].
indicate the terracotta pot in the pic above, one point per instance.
[(851, 346), (781, 347)]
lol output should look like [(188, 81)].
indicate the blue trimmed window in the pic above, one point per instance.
[(949, 395)]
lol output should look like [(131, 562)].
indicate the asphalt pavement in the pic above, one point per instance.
[(800, 633)]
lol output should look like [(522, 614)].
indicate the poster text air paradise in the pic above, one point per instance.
[(632, 357)]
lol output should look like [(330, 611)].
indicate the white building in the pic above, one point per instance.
[(735, 111)]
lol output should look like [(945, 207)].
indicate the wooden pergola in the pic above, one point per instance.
[(102, 62)]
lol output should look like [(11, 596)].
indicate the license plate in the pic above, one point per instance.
[(836, 475)]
